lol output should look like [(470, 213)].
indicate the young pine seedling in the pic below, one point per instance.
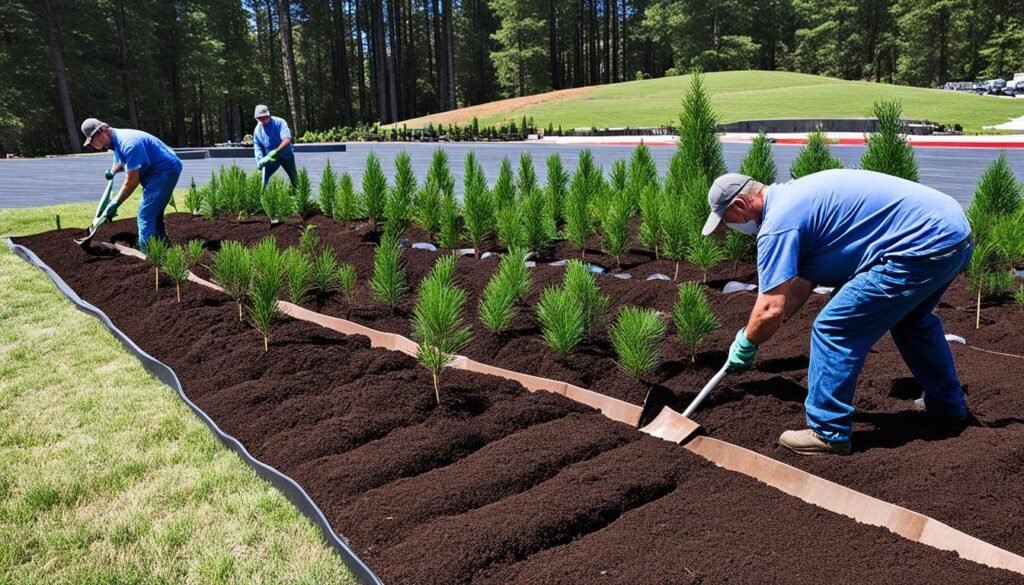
[(615, 229), (347, 277), (375, 190), (346, 203), (299, 271), (693, 318), (704, 253), (582, 287), (232, 270), (561, 320), (308, 241), (636, 335), (737, 247), (442, 273), (194, 252), (978, 274), (399, 208), (328, 195), (325, 272), (268, 278), (388, 283), (649, 233), (303, 191), (437, 325), (509, 286), (156, 250), (513, 271), (450, 234), (176, 266), (478, 206)]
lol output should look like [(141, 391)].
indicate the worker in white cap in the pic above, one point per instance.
[(272, 142), (148, 162), (890, 246)]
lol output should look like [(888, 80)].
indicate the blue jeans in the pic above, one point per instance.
[(289, 167), (156, 194), (898, 296)]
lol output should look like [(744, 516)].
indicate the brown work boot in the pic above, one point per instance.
[(807, 442)]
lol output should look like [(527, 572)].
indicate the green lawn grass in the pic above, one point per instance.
[(746, 95), (105, 475)]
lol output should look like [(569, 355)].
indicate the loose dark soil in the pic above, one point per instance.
[(498, 485)]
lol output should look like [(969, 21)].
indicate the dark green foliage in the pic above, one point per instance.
[(698, 143), (277, 201), (375, 190), (888, 150), (651, 213), (442, 273), (561, 320), (156, 250), (450, 231), (325, 272), (388, 283), (347, 278), (440, 172), (231, 270), (303, 190), (346, 202), (556, 184), (299, 270), (268, 278), (510, 229), (684, 208), (232, 193), (437, 325), (498, 303), (208, 201), (704, 253), (814, 156), (615, 228), (642, 179), (309, 239), (618, 181), (759, 163), (176, 266), (512, 270), (538, 223), (193, 199), (504, 191), (194, 252), (693, 318), (526, 180), (636, 335), (1019, 296), (998, 194), (478, 209), (979, 273), (329, 192), (581, 285), (578, 210), (737, 247), (427, 208), (253, 191), (399, 207)]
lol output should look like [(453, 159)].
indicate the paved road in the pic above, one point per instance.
[(34, 182)]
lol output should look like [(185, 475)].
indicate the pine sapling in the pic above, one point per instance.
[(505, 186), (1019, 296), (325, 272), (510, 228), (498, 304), (556, 184), (328, 196), (538, 223), (814, 156), (276, 201), (888, 150), (375, 190), (737, 247), (581, 285), (309, 240), (693, 318), (156, 250), (978, 273), (526, 180), (704, 253), (194, 252), (303, 190), (561, 320), (759, 163), (193, 199), (347, 278), (176, 266), (675, 233), (579, 215), (268, 278), (388, 283), (619, 177), (442, 273), (427, 208), (636, 335), (649, 234), (997, 195), (478, 209), (346, 202), (615, 229), (399, 207), (450, 234), (698, 142), (643, 174), (231, 269), (299, 270), (437, 326), (512, 270)]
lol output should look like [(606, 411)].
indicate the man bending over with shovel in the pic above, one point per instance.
[(272, 144), (149, 162), (892, 247)]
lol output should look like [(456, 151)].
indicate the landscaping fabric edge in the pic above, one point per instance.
[(286, 485)]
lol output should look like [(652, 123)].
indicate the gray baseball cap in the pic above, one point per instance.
[(90, 127), (261, 110), (721, 195)]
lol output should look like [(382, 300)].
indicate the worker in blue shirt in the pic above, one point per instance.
[(272, 142), (148, 162), (891, 246)]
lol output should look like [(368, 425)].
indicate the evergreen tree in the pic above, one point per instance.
[(505, 186), (478, 208), (759, 163), (888, 150), (814, 156), (557, 184), (698, 141), (375, 190)]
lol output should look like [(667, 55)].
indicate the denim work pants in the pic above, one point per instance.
[(898, 296), (289, 167), (156, 194)]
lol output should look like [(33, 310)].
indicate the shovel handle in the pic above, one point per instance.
[(707, 390)]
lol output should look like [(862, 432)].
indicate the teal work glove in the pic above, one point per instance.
[(264, 162), (111, 211), (272, 155), (109, 175), (741, 354)]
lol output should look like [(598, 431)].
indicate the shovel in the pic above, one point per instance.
[(658, 397), (658, 420), (100, 217)]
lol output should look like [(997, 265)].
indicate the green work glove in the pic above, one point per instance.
[(109, 175), (272, 155), (111, 211), (741, 354), (264, 161)]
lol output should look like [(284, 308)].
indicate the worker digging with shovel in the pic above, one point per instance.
[(148, 162), (272, 145), (890, 246)]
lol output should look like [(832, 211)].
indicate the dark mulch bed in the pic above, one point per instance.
[(498, 485)]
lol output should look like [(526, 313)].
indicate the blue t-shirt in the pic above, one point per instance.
[(829, 226), (143, 151), (266, 138)]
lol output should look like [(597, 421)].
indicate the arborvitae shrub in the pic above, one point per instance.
[(561, 320), (478, 209), (759, 163), (888, 150), (388, 282), (815, 156), (329, 192), (693, 318), (636, 335), (375, 190)]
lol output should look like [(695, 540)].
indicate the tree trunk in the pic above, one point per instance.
[(379, 66), (342, 80), (57, 59), (291, 79), (122, 44), (360, 20), (553, 45), (442, 61), (449, 40)]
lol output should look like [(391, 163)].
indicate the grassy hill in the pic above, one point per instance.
[(736, 95)]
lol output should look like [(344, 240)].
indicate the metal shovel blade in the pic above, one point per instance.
[(705, 391)]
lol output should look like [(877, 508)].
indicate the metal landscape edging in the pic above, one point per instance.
[(668, 425), (286, 485)]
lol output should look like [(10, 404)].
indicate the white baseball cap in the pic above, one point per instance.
[(722, 193), (261, 110)]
